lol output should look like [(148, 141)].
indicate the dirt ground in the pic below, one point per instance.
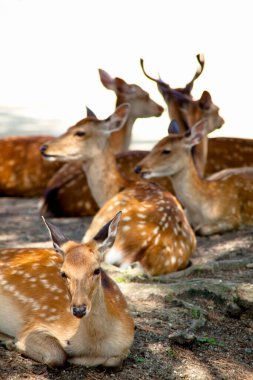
[(196, 324)]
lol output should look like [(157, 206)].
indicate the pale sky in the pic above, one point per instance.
[(51, 51)]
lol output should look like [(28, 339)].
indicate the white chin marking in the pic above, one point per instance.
[(48, 158), (114, 256), (147, 175)]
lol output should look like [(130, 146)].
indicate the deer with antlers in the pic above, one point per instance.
[(63, 195), (211, 154), (80, 317), (219, 203), (187, 112), (154, 230)]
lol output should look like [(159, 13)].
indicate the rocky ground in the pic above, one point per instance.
[(196, 324)]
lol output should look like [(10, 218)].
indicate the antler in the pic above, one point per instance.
[(201, 61)]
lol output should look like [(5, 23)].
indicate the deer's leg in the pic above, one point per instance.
[(7, 341), (42, 348), (211, 229), (115, 361)]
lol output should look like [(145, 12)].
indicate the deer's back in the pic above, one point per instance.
[(23, 172), (227, 152), (153, 229)]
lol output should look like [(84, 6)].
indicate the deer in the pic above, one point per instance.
[(187, 111), (63, 306), (154, 231), (62, 194), (219, 203)]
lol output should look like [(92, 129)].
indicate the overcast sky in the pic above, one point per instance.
[(51, 51)]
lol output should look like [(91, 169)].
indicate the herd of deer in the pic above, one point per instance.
[(155, 203)]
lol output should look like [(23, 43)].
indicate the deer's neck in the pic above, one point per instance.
[(103, 177), (96, 323), (191, 190), (120, 140), (199, 155)]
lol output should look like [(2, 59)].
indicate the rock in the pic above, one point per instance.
[(182, 338), (233, 310), (245, 296)]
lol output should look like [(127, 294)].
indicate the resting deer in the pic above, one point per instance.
[(154, 230), (187, 111), (63, 196), (80, 317), (216, 204)]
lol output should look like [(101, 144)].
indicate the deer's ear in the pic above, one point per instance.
[(56, 236), (205, 101), (173, 127), (107, 80), (117, 120), (196, 133), (123, 87), (90, 113), (106, 236)]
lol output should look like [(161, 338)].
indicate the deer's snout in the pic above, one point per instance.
[(43, 148), (160, 110), (79, 311)]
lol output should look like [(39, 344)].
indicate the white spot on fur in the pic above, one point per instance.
[(173, 260), (126, 219)]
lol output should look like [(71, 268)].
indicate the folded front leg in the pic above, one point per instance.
[(42, 348), (87, 361)]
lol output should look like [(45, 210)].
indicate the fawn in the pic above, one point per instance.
[(219, 203), (63, 196), (154, 230), (80, 317), (187, 111)]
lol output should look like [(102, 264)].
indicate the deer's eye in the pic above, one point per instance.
[(63, 274), (97, 271), (166, 151), (80, 133)]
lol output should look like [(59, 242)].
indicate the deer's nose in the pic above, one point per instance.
[(137, 169), (43, 148), (79, 311)]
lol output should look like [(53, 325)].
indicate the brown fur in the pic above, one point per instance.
[(23, 172)]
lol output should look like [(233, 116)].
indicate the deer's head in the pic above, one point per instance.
[(141, 104), (87, 138), (170, 155), (81, 267)]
